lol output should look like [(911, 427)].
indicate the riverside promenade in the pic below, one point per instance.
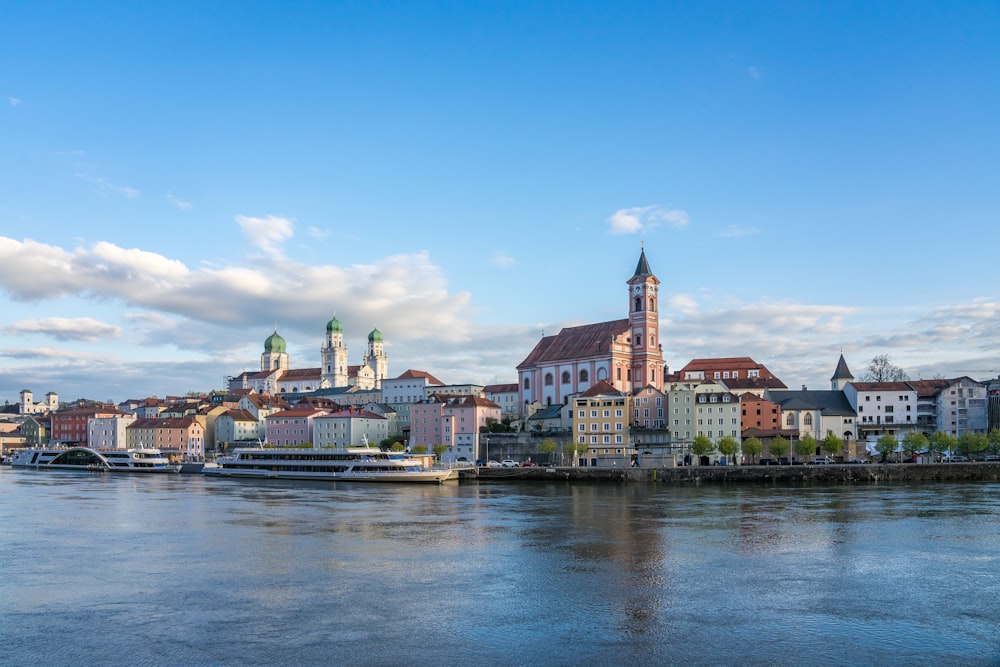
[(867, 473)]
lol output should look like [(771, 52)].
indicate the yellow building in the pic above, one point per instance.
[(600, 422)]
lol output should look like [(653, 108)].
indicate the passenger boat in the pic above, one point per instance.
[(355, 464), (144, 460)]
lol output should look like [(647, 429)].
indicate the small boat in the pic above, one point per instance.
[(354, 464), (143, 460)]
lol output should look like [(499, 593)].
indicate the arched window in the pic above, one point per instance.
[(584, 376), (790, 420), (602, 374), (565, 377), (652, 305), (548, 379), (527, 383), (638, 304), (807, 420)]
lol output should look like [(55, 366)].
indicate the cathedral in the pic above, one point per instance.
[(625, 353), (277, 377)]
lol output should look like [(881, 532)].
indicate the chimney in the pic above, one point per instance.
[(803, 388)]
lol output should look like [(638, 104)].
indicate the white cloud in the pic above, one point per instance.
[(182, 205), (501, 260), (636, 219), (107, 187), (754, 73), (63, 328), (14, 101), (317, 233), (267, 233), (732, 232)]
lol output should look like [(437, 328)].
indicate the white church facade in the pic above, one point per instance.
[(276, 376)]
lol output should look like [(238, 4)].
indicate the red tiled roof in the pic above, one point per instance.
[(602, 388), (882, 386), (582, 342), (414, 375), (301, 374), (501, 388)]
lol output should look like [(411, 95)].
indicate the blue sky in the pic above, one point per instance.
[(177, 178)]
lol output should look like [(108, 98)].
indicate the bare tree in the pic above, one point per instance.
[(881, 369)]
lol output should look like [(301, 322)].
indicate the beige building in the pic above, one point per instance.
[(600, 422)]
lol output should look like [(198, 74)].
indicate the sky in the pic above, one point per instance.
[(179, 179)]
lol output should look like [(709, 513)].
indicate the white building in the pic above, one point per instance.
[(109, 432), (349, 428)]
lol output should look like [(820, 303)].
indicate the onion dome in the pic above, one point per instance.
[(274, 344), (334, 326), (375, 336)]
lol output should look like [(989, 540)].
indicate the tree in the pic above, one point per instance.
[(994, 441), (439, 450), (753, 447), (398, 446), (881, 369), (419, 449), (547, 448), (806, 445), (940, 442), (886, 445), (914, 443), (778, 446), (832, 444), (970, 443), (702, 446), (729, 445), (575, 448)]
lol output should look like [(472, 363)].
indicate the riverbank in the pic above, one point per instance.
[(750, 474)]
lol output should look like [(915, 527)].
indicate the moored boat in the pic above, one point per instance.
[(356, 464), (142, 460)]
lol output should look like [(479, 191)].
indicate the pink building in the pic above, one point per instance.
[(452, 421), (292, 427)]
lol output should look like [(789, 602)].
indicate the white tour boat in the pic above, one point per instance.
[(356, 464), (144, 459)]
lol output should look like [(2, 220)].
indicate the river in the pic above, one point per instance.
[(120, 569)]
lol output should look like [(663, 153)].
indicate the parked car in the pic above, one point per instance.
[(822, 460), (767, 462), (991, 457), (508, 463), (527, 464), (492, 464), (856, 460), (954, 458)]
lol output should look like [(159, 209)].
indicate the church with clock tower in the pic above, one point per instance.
[(625, 353)]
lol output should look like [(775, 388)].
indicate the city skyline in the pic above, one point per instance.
[(179, 180)]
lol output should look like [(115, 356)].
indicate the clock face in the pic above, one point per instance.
[(637, 289)]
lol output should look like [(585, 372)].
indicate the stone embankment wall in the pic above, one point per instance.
[(785, 475)]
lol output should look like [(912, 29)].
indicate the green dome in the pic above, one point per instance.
[(274, 344), (375, 336), (334, 326)]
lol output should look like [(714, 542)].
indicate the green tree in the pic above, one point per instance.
[(439, 450), (398, 446), (419, 449), (806, 446), (702, 446), (941, 442), (994, 441), (753, 447), (778, 446), (886, 445), (575, 449), (729, 445), (970, 443), (547, 448), (832, 444), (914, 443)]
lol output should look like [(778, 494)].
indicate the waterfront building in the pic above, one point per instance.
[(993, 404), (71, 427), (36, 429), (649, 408), (600, 422), (882, 408), (235, 425), (816, 412), (109, 432), (349, 428), (955, 406), (680, 415), (183, 435), (292, 427), (717, 415), (452, 421), (627, 353)]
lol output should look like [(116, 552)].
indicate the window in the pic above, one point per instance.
[(565, 377), (527, 383), (807, 420), (790, 421), (584, 376), (548, 379)]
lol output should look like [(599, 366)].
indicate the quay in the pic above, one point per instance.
[(868, 473)]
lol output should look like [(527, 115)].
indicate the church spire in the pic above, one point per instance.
[(642, 269)]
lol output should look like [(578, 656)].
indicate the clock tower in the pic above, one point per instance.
[(644, 328)]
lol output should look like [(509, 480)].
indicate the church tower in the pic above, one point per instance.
[(841, 376), (333, 372), (647, 366), (376, 359), (275, 357)]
